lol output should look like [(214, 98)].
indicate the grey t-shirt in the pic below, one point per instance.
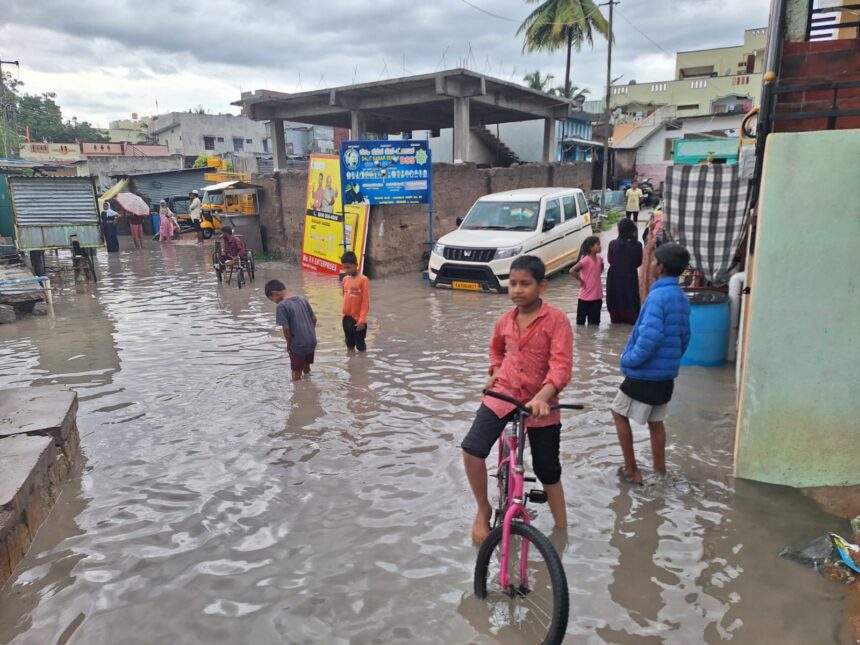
[(295, 312)]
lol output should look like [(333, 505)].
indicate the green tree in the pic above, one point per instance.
[(562, 23), (536, 81), (42, 117), (202, 161)]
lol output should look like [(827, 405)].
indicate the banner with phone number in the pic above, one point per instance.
[(393, 171), (323, 243)]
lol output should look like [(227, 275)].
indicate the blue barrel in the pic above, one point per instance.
[(709, 328), (156, 223)]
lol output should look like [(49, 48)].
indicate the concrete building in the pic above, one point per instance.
[(74, 152), (134, 130), (457, 99), (725, 79), (302, 139), (647, 150), (191, 135)]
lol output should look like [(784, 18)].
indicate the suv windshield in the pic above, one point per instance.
[(502, 216)]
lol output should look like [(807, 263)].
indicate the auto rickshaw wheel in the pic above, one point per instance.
[(207, 233)]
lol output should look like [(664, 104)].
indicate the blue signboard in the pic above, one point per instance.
[(385, 171)]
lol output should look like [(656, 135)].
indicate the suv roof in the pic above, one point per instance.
[(527, 193)]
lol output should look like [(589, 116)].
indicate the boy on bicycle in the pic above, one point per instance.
[(531, 355)]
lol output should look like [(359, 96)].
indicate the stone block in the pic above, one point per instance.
[(7, 314), (49, 409), (24, 462), (40, 309)]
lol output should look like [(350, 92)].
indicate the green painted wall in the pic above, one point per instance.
[(799, 416)]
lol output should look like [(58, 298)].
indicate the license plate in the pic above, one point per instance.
[(469, 286)]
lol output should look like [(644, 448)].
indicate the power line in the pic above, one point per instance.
[(489, 13)]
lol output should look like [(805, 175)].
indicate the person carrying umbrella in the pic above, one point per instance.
[(137, 210)]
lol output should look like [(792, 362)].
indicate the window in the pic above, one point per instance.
[(249, 141), (220, 139), (658, 87), (689, 106), (620, 90), (552, 212), (569, 205), (208, 143), (699, 83), (583, 205), (740, 80), (502, 216), (238, 144), (669, 147), (266, 146)]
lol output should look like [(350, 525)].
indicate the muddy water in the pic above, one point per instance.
[(218, 503)]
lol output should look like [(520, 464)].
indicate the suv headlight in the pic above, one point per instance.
[(509, 252), (439, 249)]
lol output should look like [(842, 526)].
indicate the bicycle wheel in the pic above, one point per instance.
[(251, 267), (532, 610), (240, 276)]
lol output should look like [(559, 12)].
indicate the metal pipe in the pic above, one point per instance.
[(736, 286)]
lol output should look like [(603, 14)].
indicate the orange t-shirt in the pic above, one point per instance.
[(356, 297)]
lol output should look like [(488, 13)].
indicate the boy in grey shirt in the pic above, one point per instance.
[(295, 315)]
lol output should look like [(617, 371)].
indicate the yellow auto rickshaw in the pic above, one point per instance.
[(227, 198)]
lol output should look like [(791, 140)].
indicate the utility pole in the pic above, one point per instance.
[(606, 111), (3, 106)]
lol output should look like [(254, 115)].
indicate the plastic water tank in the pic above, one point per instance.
[(709, 328)]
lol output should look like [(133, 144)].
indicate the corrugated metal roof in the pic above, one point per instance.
[(158, 186), (48, 210)]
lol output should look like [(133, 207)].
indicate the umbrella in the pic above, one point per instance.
[(132, 203)]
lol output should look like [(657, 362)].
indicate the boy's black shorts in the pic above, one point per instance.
[(544, 443)]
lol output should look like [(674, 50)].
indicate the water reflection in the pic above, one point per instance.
[(234, 506)]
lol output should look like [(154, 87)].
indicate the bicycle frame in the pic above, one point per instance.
[(514, 437)]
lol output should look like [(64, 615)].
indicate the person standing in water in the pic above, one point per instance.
[(109, 219), (622, 280), (165, 229)]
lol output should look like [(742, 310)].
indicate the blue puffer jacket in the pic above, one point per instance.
[(661, 334)]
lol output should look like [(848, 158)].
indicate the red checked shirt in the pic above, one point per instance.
[(542, 354)]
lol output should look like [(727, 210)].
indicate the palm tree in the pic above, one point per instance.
[(558, 23), (569, 93), (535, 81)]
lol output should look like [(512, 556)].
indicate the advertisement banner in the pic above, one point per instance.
[(327, 234), (386, 172)]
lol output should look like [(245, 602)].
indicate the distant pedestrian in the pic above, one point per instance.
[(166, 222), (298, 321), (651, 360), (135, 222), (194, 209), (653, 237), (356, 303), (588, 271), (634, 197), (622, 279), (109, 220)]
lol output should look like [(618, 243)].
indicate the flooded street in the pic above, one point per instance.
[(219, 503)]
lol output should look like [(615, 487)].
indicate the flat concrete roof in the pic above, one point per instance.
[(423, 102)]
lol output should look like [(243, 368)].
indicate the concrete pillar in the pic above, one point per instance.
[(462, 134), (549, 140), (358, 125), (279, 145)]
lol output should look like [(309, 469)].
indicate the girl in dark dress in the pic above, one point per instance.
[(622, 281), (109, 218)]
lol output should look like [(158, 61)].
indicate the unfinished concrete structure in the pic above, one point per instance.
[(458, 99)]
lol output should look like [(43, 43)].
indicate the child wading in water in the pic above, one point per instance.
[(356, 303), (651, 360), (295, 316), (588, 271), (531, 355)]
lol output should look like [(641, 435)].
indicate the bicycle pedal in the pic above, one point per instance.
[(537, 496)]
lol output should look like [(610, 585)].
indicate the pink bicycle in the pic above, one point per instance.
[(518, 571)]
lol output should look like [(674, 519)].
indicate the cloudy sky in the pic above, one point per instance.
[(108, 58)]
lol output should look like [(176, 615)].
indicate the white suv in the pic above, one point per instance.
[(551, 223)]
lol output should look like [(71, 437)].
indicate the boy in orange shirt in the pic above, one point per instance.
[(356, 303)]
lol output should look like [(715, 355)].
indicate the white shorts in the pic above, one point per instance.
[(640, 412)]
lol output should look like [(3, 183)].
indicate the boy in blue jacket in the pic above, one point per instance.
[(651, 359)]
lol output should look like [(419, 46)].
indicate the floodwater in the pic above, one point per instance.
[(219, 503)]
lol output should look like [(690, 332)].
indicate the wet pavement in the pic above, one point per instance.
[(219, 503)]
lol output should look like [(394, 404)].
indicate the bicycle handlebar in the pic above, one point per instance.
[(522, 408)]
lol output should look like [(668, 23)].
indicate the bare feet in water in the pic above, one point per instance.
[(481, 525), (631, 477)]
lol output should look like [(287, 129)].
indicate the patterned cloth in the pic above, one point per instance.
[(706, 211)]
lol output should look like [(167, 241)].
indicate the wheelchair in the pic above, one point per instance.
[(242, 268)]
